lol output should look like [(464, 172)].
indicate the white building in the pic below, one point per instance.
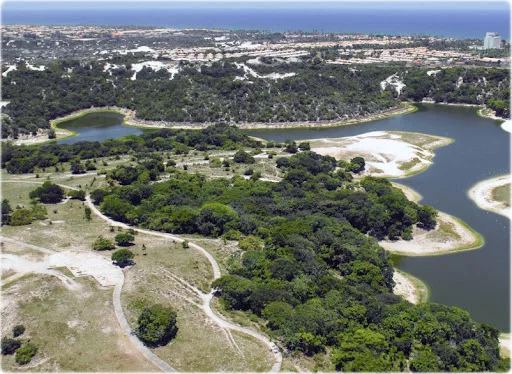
[(492, 40)]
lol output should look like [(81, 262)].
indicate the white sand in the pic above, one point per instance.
[(11, 68), (393, 81), (507, 126), (387, 154), (156, 66), (505, 345), (405, 287), (481, 194), (433, 72), (80, 263), (249, 71), (437, 241)]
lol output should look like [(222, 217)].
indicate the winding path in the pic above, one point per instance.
[(121, 318), (206, 298)]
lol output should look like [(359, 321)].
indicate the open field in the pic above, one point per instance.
[(74, 328), (152, 279)]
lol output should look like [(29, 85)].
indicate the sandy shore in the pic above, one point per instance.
[(481, 194), (130, 119), (507, 125), (450, 235), (388, 154), (505, 345), (410, 288)]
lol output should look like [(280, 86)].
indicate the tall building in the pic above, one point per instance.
[(492, 40)]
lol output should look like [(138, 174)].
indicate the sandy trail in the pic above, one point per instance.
[(87, 264), (481, 194), (206, 298)]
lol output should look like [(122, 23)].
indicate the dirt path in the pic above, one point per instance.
[(206, 298), (146, 352)]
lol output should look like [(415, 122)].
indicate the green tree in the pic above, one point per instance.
[(427, 217), (124, 239), (242, 157), (18, 330), (9, 346), (21, 217), (48, 193), (123, 257), (6, 211), (425, 361), (357, 164), (25, 353), (103, 244), (156, 325)]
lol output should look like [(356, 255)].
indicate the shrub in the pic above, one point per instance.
[(124, 239), (242, 157), (25, 353), (21, 217), (123, 257), (251, 243), (77, 195), (39, 211), (9, 346), (18, 330), (48, 193), (157, 325), (102, 244)]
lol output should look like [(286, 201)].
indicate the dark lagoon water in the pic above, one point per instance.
[(97, 126), (476, 280)]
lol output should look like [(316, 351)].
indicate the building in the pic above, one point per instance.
[(492, 40)]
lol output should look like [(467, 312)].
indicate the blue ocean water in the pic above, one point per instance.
[(458, 20)]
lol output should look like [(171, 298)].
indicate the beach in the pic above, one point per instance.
[(484, 197)]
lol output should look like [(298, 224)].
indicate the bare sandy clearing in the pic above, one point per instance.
[(391, 154), (410, 288), (79, 263), (482, 194), (449, 235)]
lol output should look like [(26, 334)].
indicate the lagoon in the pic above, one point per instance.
[(96, 126), (476, 280)]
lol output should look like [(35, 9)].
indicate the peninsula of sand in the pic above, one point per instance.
[(493, 195), (397, 154)]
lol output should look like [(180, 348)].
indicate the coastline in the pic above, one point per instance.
[(481, 194), (409, 287), (451, 235), (483, 111), (131, 120)]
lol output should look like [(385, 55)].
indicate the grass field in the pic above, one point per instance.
[(78, 331), (74, 330), (502, 194)]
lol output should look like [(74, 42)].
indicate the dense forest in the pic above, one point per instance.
[(309, 262), (213, 93), (310, 265)]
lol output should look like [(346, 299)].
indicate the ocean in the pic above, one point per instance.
[(458, 20)]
